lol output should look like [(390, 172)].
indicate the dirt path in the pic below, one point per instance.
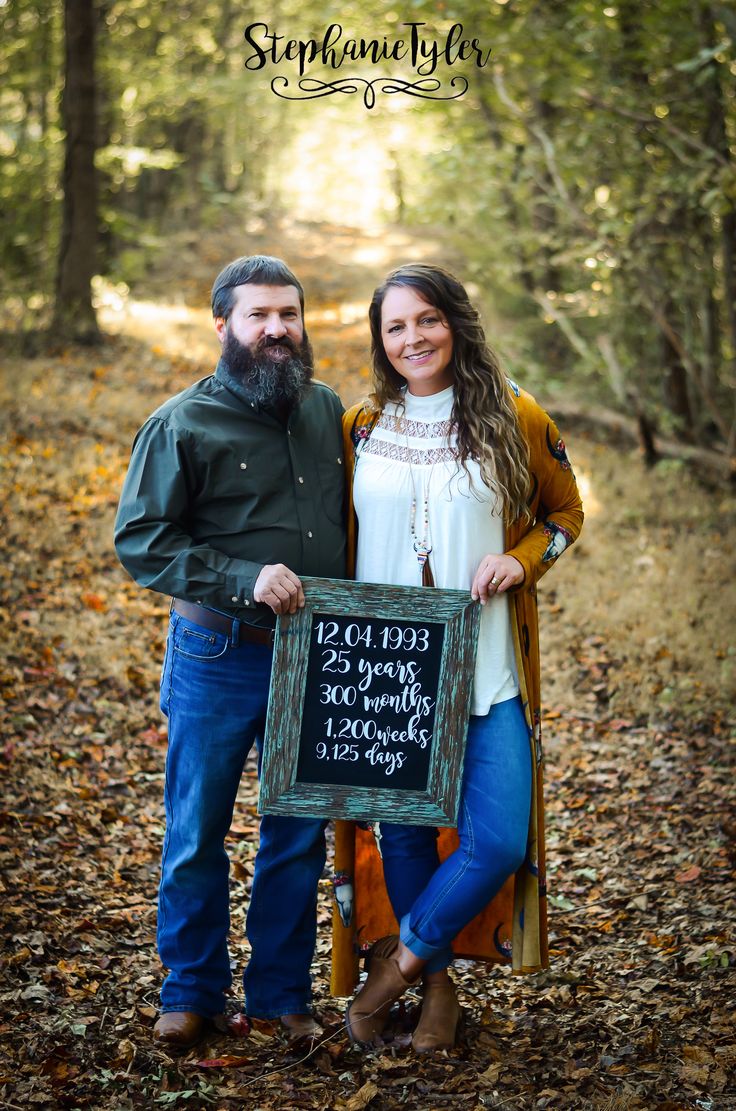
[(639, 656)]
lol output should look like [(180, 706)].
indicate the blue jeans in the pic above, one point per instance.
[(433, 901), (215, 694)]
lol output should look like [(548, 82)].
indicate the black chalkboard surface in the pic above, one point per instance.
[(369, 703)]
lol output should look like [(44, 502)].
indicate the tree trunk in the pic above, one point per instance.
[(74, 316), (716, 136)]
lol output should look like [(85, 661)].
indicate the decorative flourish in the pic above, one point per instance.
[(425, 89), (559, 539), (558, 451), (503, 945), (342, 883), (537, 736)]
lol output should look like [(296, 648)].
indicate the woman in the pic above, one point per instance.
[(460, 480)]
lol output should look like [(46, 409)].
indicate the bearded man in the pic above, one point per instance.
[(235, 488)]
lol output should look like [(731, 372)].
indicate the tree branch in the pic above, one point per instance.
[(536, 129), (665, 124)]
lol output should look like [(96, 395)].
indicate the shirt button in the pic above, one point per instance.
[(243, 466), (246, 602), (301, 480), (234, 599), (339, 459), (309, 534)]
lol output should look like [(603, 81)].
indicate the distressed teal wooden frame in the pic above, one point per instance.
[(280, 792)]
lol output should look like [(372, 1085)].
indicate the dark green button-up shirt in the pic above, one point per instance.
[(218, 486)]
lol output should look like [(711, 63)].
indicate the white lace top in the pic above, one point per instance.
[(410, 453)]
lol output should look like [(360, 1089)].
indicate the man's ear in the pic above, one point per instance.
[(221, 328)]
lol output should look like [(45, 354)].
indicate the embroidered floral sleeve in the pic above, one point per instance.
[(555, 501)]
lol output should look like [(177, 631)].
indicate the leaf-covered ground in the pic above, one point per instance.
[(637, 1010)]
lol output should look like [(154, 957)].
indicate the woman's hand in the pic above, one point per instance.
[(496, 574)]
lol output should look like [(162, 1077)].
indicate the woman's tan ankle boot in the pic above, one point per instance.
[(366, 1016), (441, 1018)]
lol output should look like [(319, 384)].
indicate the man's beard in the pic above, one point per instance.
[(273, 382)]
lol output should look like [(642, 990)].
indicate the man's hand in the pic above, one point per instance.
[(279, 588), (495, 574)]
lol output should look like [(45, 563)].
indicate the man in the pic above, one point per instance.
[(235, 488)]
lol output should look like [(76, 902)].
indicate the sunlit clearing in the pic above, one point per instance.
[(352, 166), (343, 179)]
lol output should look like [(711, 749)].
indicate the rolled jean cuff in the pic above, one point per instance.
[(436, 959)]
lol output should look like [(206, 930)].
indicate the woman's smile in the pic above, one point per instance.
[(417, 340)]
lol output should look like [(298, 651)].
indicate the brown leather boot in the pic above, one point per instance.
[(301, 1026), (366, 1016), (178, 1029), (441, 1019)]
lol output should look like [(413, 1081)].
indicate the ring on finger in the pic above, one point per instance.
[(494, 580)]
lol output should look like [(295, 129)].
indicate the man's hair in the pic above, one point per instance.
[(250, 270)]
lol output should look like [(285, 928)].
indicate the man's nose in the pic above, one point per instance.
[(275, 325)]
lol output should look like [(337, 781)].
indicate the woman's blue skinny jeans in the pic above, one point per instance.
[(433, 901)]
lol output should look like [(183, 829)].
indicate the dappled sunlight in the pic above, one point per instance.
[(591, 504), (172, 329), (347, 312), (342, 173), (354, 167)]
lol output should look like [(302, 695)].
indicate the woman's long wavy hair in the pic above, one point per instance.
[(483, 413)]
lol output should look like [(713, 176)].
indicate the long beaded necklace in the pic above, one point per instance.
[(422, 544)]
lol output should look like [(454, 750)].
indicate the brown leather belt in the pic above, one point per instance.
[(219, 623)]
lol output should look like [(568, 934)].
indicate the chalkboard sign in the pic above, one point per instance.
[(369, 703)]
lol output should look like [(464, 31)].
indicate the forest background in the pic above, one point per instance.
[(584, 188)]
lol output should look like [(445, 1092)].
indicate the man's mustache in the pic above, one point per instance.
[(272, 341)]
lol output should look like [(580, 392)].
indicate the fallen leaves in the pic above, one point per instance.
[(362, 1098), (689, 875), (636, 1011)]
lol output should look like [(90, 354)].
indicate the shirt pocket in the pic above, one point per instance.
[(331, 473)]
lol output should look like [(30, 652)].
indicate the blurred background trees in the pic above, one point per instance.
[(587, 178)]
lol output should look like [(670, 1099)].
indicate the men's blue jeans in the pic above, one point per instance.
[(215, 694), (434, 901)]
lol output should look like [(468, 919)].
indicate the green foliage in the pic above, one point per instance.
[(591, 176), (588, 177), (173, 129)]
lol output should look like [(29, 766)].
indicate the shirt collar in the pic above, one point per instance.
[(235, 385)]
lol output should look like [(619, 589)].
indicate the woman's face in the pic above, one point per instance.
[(417, 340)]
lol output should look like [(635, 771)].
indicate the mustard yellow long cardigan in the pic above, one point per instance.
[(513, 927)]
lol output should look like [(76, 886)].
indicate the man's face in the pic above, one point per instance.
[(265, 345), (267, 319)]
